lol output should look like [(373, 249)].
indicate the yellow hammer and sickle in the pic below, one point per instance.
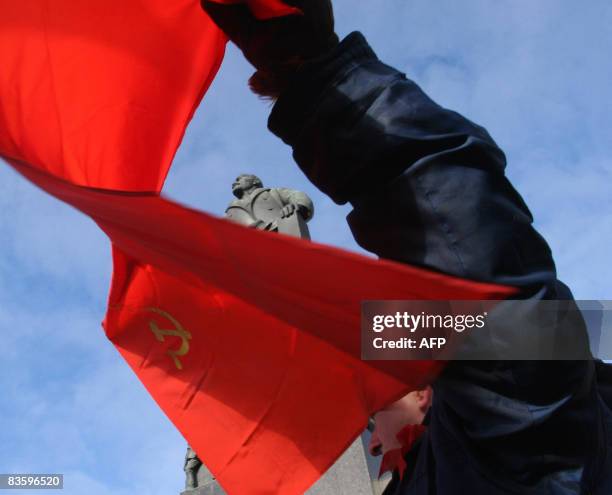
[(177, 331)]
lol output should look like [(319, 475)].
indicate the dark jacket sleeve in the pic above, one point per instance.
[(428, 188)]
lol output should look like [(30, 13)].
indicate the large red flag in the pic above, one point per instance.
[(253, 355)]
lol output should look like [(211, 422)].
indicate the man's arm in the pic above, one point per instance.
[(427, 186)]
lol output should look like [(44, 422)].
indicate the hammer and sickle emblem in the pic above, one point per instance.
[(177, 331)]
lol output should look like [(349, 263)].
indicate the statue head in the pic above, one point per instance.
[(244, 183)]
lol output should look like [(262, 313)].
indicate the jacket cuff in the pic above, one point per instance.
[(300, 98)]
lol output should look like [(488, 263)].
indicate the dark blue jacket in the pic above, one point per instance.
[(428, 188)]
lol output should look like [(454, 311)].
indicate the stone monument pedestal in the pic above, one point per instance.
[(348, 476), (352, 474)]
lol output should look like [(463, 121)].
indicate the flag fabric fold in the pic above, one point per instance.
[(252, 354)]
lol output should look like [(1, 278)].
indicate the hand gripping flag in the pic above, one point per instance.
[(254, 356)]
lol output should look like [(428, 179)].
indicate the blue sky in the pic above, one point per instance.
[(535, 74)]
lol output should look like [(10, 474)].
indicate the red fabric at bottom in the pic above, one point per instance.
[(250, 341)]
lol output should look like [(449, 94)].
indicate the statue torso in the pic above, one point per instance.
[(263, 204)]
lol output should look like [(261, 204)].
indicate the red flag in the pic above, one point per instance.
[(254, 357)]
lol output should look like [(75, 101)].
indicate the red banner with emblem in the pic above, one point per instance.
[(253, 355)]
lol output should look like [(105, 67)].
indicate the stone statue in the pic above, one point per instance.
[(192, 464), (274, 209), (198, 479), (286, 211)]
